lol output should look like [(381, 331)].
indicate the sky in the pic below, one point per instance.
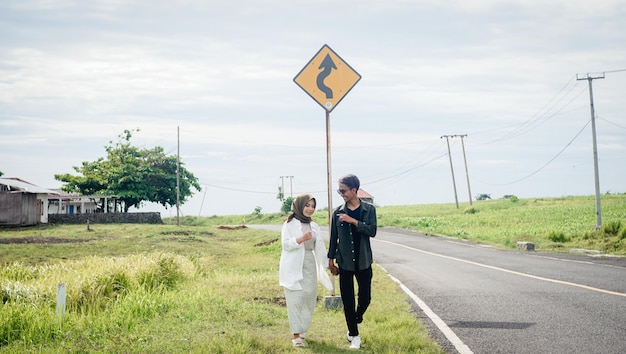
[(504, 83)]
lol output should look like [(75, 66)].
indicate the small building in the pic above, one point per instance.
[(23, 203), (364, 196), (75, 203)]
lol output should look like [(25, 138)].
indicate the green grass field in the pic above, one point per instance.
[(553, 224), (172, 289), (200, 287)]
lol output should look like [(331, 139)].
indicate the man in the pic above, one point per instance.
[(352, 225)]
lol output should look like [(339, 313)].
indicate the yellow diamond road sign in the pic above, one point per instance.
[(327, 78)]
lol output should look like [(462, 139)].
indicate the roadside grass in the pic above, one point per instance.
[(172, 289), (552, 224), (210, 285)]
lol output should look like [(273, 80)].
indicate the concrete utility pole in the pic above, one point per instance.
[(456, 198), (282, 185), (281, 188), (469, 190), (290, 185), (178, 176), (595, 147)]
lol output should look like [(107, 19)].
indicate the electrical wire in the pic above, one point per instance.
[(408, 170), (608, 121), (547, 163), (539, 118), (236, 189)]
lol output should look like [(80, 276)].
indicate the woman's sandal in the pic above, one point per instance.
[(298, 342)]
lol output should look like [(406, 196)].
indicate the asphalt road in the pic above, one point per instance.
[(475, 299)]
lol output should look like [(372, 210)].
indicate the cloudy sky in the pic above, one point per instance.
[(507, 75)]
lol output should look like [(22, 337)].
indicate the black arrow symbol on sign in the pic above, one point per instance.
[(327, 65)]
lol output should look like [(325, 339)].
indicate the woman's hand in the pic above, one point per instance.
[(307, 236)]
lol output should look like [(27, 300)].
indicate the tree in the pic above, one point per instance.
[(133, 175), (286, 208), (482, 196)]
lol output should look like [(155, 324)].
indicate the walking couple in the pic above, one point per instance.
[(304, 259)]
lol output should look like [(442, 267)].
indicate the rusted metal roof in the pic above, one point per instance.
[(363, 194), (19, 185)]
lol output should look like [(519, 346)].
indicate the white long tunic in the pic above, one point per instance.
[(292, 256)]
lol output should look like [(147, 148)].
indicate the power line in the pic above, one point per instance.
[(407, 171), (608, 121), (539, 118), (237, 189), (547, 163)]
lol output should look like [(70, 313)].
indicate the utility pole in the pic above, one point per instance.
[(469, 190), (595, 147), (290, 185), (282, 182), (178, 176), (281, 189), (456, 199)]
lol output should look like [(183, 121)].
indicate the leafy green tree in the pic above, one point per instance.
[(1, 173), (286, 208), (134, 175)]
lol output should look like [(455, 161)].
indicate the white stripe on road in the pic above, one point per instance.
[(511, 271), (443, 327)]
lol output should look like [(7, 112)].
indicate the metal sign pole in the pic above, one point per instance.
[(328, 173)]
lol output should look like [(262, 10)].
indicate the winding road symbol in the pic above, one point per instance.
[(327, 65), (327, 78)]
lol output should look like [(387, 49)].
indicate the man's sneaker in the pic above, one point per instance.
[(349, 336), (356, 343)]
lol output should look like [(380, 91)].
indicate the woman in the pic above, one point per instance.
[(302, 262)]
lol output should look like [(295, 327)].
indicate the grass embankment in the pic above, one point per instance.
[(172, 289), (552, 224)]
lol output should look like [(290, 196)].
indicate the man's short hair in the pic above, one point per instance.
[(351, 181)]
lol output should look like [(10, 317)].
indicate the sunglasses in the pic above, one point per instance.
[(341, 191)]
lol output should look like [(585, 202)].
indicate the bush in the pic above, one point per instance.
[(557, 236), (166, 274), (28, 323), (470, 210), (612, 227), (97, 293)]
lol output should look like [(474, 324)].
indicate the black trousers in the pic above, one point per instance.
[(351, 309)]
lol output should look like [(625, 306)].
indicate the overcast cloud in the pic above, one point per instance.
[(76, 74)]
